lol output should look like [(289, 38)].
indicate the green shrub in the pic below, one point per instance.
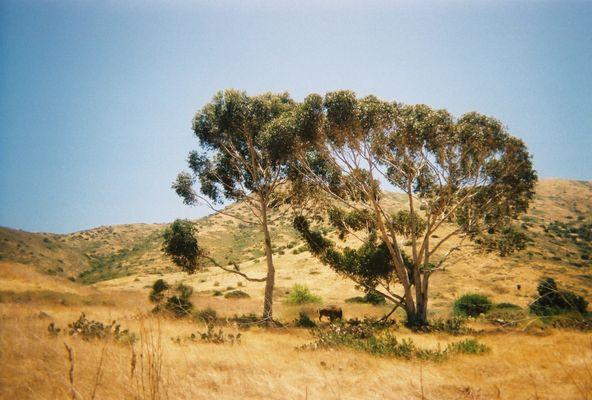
[(236, 294), (552, 301), (472, 305), (300, 294), (217, 293), (468, 346), (304, 321), (453, 326), (385, 343)]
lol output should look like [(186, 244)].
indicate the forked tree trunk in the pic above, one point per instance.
[(270, 281)]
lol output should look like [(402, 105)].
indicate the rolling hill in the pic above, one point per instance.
[(559, 224)]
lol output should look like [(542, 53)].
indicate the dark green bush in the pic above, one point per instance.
[(552, 301), (472, 305), (158, 289), (304, 321)]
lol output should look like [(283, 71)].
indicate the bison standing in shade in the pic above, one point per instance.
[(332, 313)]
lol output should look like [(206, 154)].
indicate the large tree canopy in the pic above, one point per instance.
[(466, 177)]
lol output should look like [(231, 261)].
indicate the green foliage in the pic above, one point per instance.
[(300, 294), (468, 346), (382, 342), (452, 326), (180, 244), (237, 131), (304, 321), (472, 305), (552, 301)]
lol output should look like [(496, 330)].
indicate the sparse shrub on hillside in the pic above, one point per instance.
[(89, 330), (452, 326), (300, 294), (246, 319), (172, 300), (211, 335), (472, 305), (208, 315), (552, 301), (385, 343), (236, 294), (468, 346), (179, 305)]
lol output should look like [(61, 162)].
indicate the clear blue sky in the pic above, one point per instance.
[(97, 97)]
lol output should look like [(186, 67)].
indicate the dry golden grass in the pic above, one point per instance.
[(266, 364)]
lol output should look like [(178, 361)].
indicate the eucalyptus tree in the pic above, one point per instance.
[(241, 159), (464, 178)]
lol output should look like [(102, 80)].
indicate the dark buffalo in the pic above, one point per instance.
[(332, 313)]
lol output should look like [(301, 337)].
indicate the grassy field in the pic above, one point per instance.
[(107, 272)]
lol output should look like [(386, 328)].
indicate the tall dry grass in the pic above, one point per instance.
[(35, 365)]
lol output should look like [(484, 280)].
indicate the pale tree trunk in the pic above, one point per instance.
[(270, 281)]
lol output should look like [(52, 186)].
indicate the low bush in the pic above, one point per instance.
[(89, 330), (246, 319), (304, 321), (179, 306), (175, 301), (385, 343), (472, 305), (468, 346), (208, 315), (300, 294), (552, 301), (236, 294), (453, 326), (211, 335)]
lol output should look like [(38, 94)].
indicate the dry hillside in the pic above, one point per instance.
[(106, 273)]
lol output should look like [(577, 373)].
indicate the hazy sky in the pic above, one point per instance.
[(97, 97)]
